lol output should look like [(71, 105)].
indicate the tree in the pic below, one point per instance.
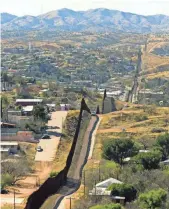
[(118, 149), (39, 112), (149, 160), (16, 169), (154, 199), (107, 206), (6, 180), (163, 143), (123, 190)]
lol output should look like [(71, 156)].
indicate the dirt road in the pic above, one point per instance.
[(74, 183), (50, 146)]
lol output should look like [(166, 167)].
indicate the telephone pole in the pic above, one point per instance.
[(84, 180), (70, 198), (14, 200)]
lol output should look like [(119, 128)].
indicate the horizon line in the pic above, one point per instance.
[(84, 11)]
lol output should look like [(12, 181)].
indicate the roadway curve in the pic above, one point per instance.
[(74, 183)]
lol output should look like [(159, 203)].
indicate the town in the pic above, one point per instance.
[(84, 120)]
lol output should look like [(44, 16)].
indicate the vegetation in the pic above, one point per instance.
[(118, 149), (153, 199), (149, 160), (123, 190), (108, 206), (53, 174), (163, 143), (14, 170)]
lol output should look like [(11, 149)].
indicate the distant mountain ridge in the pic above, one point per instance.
[(91, 20)]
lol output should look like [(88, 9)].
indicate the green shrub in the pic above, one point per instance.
[(108, 206), (163, 143), (158, 130), (149, 160), (123, 190), (6, 180), (154, 199), (139, 118), (53, 174)]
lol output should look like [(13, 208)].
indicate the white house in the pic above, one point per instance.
[(101, 188), (7, 146)]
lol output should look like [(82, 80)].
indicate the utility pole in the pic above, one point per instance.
[(95, 191), (99, 172), (70, 198), (14, 200), (84, 180)]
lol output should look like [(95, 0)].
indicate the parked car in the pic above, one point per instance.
[(93, 113), (45, 136), (39, 149)]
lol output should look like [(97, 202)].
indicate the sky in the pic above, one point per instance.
[(36, 7)]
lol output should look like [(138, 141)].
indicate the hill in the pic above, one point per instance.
[(91, 20)]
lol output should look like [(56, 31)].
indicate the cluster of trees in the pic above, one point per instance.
[(119, 149), (146, 181)]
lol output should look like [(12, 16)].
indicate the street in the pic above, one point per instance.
[(50, 146)]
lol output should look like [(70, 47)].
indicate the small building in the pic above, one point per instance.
[(9, 147), (52, 107), (27, 110), (28, 102), (15, 112), (101, 188), (64, 107), (165, 162), (7, 125)]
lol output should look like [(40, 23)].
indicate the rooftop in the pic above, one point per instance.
[(3, 143), (29, 100), (108, 182), (28, 108)]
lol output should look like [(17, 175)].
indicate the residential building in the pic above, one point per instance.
[(101, 188), (27, 110), (9, 147), (28, 102)]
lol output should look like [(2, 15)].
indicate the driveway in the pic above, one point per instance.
[(50, 146)]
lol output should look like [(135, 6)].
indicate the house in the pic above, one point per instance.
[(27, 110), (52, 107), (7, 125), (101, 188), (9, 147), (165, 162), (28, 102), (64, 107)]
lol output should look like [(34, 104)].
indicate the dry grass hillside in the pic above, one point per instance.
[(153, 62), (136, 122)]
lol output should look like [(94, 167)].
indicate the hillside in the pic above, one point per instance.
[(126, 124), (91, 20)]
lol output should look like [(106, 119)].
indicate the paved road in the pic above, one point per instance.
[(50, 146)]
